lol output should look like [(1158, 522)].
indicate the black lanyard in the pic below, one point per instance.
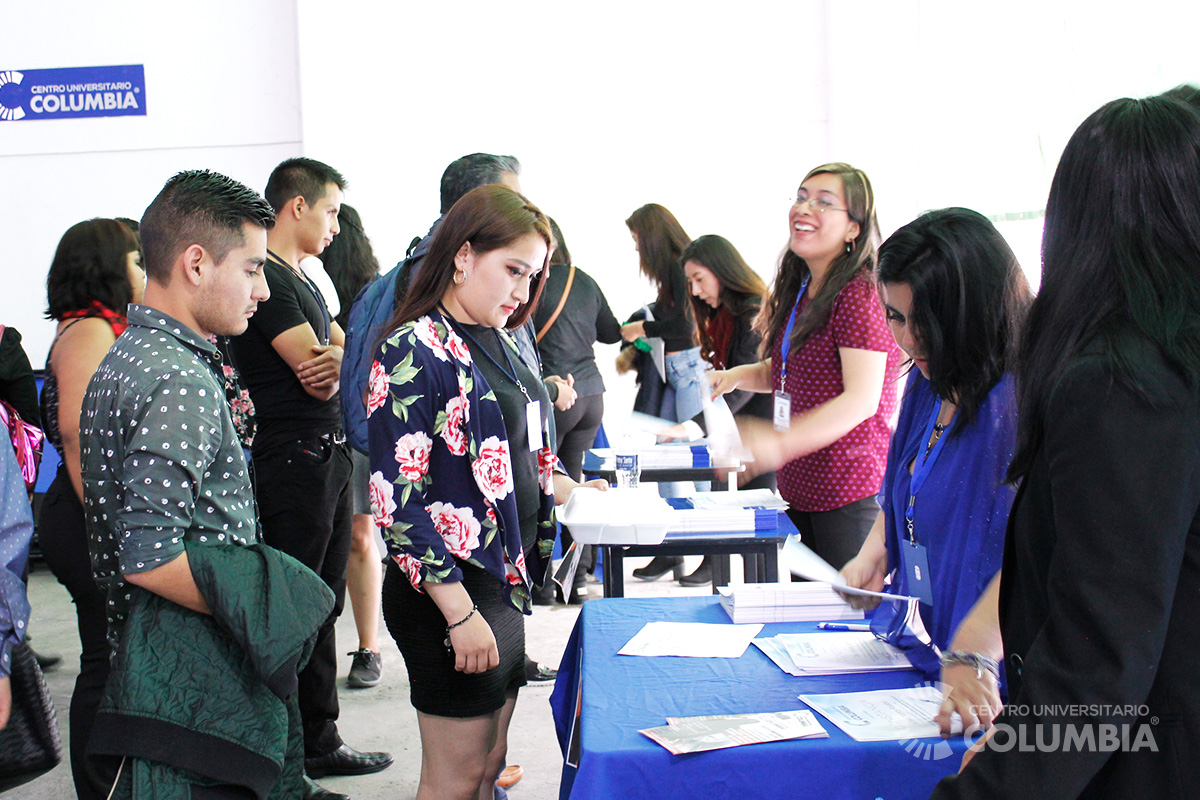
[(511, 372), (326, 333)]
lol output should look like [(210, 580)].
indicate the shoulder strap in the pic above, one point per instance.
[(562, 301)]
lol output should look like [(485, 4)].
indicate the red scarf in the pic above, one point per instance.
[(98, 309), (720, 333)]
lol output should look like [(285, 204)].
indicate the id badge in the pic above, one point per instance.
[(783, 410), (916, 567), (533, 425)]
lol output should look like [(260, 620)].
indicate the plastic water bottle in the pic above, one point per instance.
[(628, 469)]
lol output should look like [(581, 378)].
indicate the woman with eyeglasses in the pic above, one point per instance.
[(831, 366)]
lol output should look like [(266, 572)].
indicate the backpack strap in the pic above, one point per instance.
[(562, 301)]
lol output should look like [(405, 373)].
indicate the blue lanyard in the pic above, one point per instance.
[(511, 372), (786, 347), (923, 466)]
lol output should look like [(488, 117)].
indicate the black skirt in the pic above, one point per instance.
[(419, 629)]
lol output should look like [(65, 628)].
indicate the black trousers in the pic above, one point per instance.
[(63, 537), (576, 429), (838, 534), (303, 492)]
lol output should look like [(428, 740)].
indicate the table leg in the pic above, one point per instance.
[(720, 570), (614, 572), (771, 567), (750, 566)]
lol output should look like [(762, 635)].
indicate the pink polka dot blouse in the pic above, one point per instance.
[(852, 467)]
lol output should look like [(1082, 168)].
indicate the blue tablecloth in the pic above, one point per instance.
[(622, 694)]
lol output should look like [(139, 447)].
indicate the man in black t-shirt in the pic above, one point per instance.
[(291, 357)]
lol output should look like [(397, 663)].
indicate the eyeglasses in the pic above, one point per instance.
[(818, 205)]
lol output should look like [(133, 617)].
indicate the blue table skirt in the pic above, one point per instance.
[(622, 694)]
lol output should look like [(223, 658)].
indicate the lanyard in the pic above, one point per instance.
[(786, 346), (325, 334), (923, 466), (511, 372)]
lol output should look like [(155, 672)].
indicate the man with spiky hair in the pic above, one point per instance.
[(208, 626), (291, 357)]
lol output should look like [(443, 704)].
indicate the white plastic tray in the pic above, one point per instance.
[(616, 516)]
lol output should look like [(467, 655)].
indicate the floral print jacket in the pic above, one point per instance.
[(441, 476)]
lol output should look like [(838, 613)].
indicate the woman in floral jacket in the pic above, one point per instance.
[(463, 483)]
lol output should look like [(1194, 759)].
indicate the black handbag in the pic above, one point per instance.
[(29, 744)]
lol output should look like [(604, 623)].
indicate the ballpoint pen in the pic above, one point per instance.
[(838, 626)]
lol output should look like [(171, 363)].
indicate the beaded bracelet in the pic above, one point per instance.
[(452, 626), (977, 661)]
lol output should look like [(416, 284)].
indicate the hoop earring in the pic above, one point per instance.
[(460, 277)]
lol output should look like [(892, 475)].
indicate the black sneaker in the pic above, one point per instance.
[(365, 670)]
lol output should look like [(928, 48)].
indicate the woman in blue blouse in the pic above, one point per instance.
[(463, 483), (955, 299)]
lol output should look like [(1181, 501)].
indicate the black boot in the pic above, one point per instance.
[(659, 566), (702, 575)]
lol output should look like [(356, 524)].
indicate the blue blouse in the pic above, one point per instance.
[(961, 512), (441, 483)]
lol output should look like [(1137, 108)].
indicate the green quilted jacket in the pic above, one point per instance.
[(215, 695)]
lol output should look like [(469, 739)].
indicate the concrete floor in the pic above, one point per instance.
[(371, 719)]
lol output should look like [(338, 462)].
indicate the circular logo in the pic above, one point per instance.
[(923, 748), (12, 98)]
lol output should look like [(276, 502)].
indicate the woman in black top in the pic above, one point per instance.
[(566, 345), (1100, 588), (660, 239), (726, 297), (96, 273)]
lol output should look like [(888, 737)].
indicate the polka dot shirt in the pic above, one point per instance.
[(161, 460), (852, 467)]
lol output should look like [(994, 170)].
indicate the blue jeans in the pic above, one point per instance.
[(686, 382)]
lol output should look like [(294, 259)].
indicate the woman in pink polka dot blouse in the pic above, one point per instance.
[(831, 364)]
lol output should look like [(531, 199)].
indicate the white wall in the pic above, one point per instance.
[(713, 109), (221, 91), (717, 110)]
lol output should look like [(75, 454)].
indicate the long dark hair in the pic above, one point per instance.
[(742, 289), (860, 200), (488, 217), (661, 240), (90, 265), (1120, 255), (349, 260), (969, 301)]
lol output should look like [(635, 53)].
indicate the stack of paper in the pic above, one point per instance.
[(831, 653), (688, 517), (785, 602), (661, 457), (697, 734)]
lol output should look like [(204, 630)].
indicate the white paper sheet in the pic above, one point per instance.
[(836, 653), (691, 639), (803, 562), (697, 734), (883, 715)]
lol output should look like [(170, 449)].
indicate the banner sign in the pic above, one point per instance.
[(72, 93)]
